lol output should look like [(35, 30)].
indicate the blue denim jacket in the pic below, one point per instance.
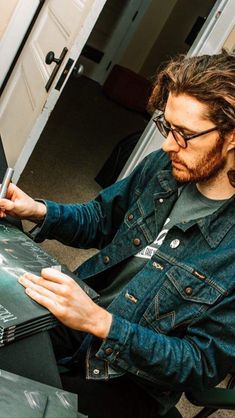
[(173, 325)]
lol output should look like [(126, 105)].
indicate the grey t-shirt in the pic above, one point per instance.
[(190, 205)]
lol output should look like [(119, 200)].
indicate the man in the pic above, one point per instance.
[(165, 321)]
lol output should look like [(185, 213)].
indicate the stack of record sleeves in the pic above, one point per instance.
[(20, 316)]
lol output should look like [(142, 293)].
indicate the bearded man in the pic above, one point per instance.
[(165, 320)]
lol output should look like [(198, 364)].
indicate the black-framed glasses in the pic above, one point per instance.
[(180, 138)]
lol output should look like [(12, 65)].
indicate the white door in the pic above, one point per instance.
[(218, 31), (61, 29)]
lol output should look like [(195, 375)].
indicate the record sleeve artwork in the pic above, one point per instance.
[(20, 316)]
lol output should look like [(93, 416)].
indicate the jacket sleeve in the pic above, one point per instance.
[(94, 224), (202, 358)]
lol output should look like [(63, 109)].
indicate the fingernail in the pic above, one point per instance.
[(25, 276), (21, 278)]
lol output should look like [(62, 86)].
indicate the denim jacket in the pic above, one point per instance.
[(173, 326)]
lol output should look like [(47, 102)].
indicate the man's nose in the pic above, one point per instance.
[(170, 144)]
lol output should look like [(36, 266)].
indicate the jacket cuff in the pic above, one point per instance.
[(41, 231), (116, 340)]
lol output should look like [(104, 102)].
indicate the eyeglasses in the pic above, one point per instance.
[(180, 138)]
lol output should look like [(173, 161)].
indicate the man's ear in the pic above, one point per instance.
[(231, 140)]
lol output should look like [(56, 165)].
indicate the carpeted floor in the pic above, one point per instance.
[(80, 135)]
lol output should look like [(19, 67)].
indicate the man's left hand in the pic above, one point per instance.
[(65, 299)]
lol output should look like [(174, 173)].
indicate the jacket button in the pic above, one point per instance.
[(96, 371), (188, 291), (130, 216), (106, 259), (161, 200), (130, 297), (175, 243), (108, 351), (158, 266), (136, 241)]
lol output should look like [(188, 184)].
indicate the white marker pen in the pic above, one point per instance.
[(5, 183)]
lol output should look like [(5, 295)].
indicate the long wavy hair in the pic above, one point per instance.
[(209, 79)]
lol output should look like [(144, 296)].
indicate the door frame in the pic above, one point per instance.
[(211, 38)]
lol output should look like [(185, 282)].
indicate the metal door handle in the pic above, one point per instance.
[(78, 71), (50, 58)]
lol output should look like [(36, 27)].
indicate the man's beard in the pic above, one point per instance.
[(206, 169)]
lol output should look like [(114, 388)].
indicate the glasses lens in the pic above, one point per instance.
[(179, 138), (164, 130)]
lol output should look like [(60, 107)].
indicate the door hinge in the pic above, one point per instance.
[(109, 65), (135, 15)]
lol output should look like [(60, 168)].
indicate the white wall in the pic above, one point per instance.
[(171, 39), (146, 34)]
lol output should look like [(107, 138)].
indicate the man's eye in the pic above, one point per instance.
[(186, 133)]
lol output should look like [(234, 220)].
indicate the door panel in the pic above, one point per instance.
[(60, 24), (15, 18)]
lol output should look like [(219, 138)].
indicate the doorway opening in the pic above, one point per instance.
[(141, 34)]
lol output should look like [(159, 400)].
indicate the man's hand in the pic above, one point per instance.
[(65, 299), (19, 205)]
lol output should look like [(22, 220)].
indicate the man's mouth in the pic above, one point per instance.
[(177, 163)]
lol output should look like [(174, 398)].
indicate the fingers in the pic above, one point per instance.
[(6, 204), (43, 297), (49, 296), (29, 280), (2, 214), (55, 276), (14, 191)]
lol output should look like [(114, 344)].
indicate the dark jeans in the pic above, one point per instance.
[(116, 398)]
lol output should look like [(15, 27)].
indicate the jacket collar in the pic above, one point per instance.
[(167, 182), (213, 227)]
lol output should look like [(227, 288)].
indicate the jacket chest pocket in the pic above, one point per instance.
[(181, 299), (141, 209), (133, 216)]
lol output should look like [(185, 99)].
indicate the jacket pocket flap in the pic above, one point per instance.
[(192, 288)]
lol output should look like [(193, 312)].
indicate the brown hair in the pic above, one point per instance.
[(208, 78)]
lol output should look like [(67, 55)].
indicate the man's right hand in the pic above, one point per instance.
[(19, 205)]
